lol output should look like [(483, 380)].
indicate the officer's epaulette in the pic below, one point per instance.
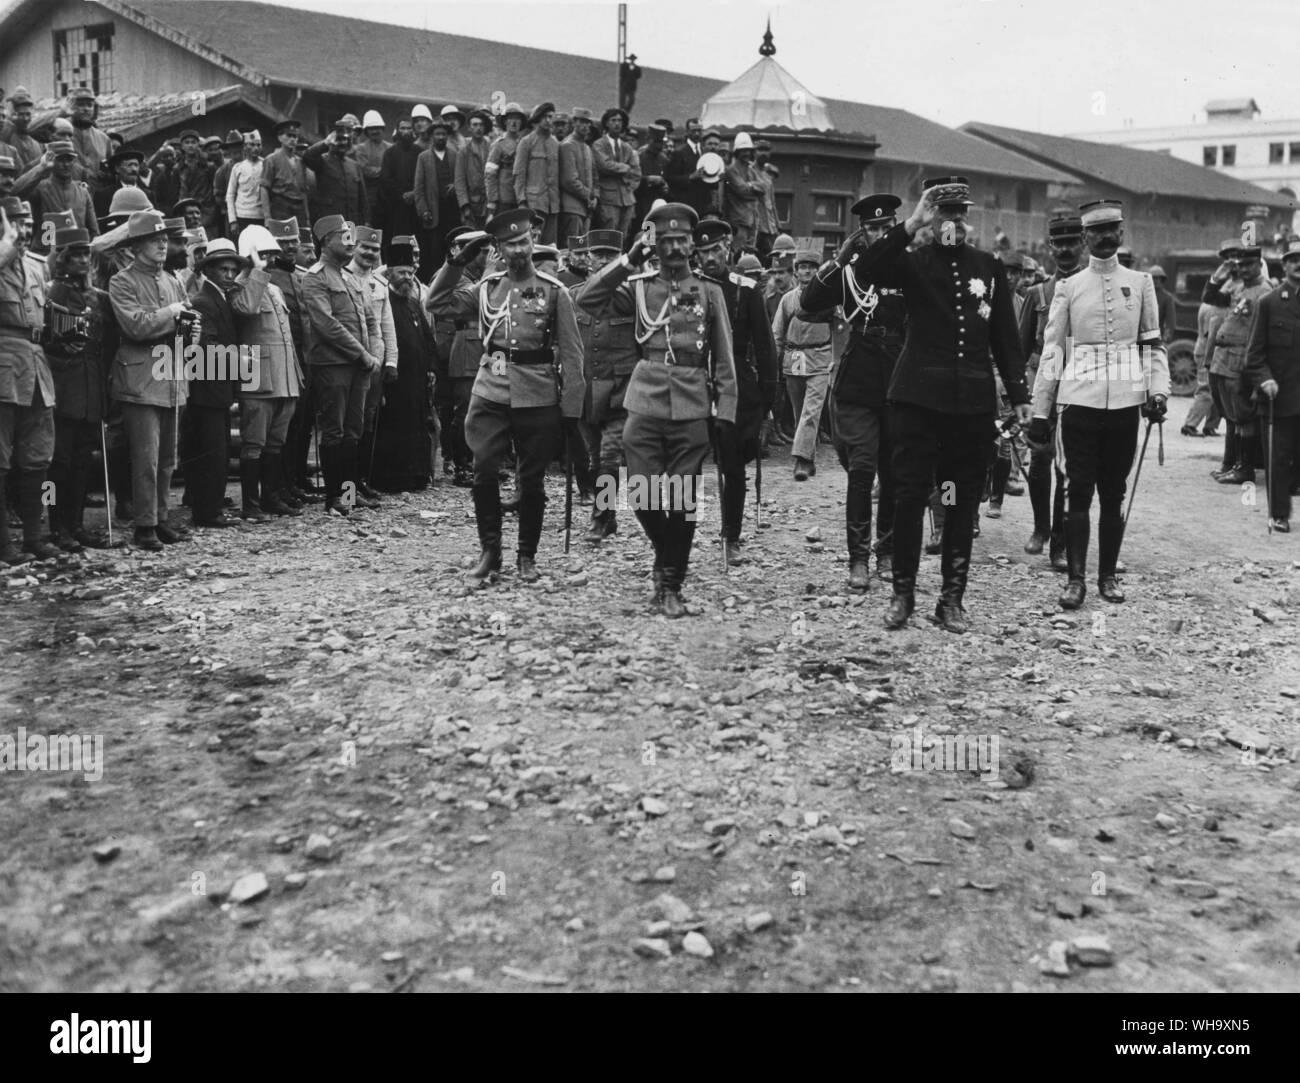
[(547, 277), (743, 280), (488, 276), (318, 265)]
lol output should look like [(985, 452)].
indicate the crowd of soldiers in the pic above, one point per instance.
[(366, 296)]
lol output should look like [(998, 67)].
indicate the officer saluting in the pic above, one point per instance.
[(529, 378), (1103, 362), (943, 399), (685, 340), (877, 322), (754, 353)]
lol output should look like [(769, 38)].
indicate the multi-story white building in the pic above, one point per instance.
[(1231, 139)]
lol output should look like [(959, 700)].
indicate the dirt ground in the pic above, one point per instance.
[(547, 786)]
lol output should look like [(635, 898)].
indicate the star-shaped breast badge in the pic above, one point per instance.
[(984, 310), (977, 287)]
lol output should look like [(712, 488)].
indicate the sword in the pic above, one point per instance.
[(1138, 473), (758, 486), (108, 492), (1268, 467), (568, 491), (1160, 445)]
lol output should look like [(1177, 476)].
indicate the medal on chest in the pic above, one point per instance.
[(1128, 297)]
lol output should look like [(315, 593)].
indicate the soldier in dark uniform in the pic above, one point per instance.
[(610, 354), (1065, 239), (943, 399), (877, 322), (459, 347), (1273, 368), (80, 335), (343, 334), (686, 376), (529, 380), (575, 269), (754, 352), (26, 386)]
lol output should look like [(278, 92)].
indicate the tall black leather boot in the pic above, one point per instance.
[(655, 526), (679, 535), (1077, 529), (273, 486), (532, 507), (604, 521), (62, 511), (487, 517), (250, 476), (1040, 499), (1110, 537), (954, 562), (31, 485), (999, 475), (908, 531), (9, 552), (857, 523), (332, 470)]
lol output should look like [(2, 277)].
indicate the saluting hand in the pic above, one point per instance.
[(8, 231), (640, 251), (922, 216)]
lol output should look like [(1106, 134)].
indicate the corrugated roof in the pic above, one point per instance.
[(368, 59), (907, 137), (1143, 172)]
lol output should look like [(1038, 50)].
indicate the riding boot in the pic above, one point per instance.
[(532, 507), (653, 523), (60, 518), (1040, 499), (1077, 528), (857, 522), (487, 517), (9, 553), (1110, 536), (31, 486), (603, 516), (954, 563), (272, 486), (250, 475)]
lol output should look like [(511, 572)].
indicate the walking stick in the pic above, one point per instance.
[(1133, 491), (108, 492), (568, 492), (374, 437), (758, 486), (1268, 467)]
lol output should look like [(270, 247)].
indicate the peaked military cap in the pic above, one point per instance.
[(710, 232), (368, 235), (1066, 226), (673, 220), (610, 240), (1099, 212), (511, 225), (878, 208), (949, 191), (283, 229)]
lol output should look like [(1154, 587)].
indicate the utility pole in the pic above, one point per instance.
[(622, 47)]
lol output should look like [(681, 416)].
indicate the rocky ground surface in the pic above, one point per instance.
[(327, 765)]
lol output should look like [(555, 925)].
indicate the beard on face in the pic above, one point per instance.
[(176, 261)]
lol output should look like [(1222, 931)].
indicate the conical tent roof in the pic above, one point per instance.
[(766, 96)]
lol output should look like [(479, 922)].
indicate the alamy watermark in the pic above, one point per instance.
[(918, 751), (55, 752), (210, 364)]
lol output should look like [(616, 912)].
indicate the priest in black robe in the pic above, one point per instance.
[(405, 430)]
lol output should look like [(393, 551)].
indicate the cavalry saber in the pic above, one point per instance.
[(108, 493), (568, 492), (1138, 473), (1268, 467)]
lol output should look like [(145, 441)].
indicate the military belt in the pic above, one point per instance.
[(31, 334), (522, 357)]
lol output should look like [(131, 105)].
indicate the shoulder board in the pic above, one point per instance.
[(490, 276), (743, 280), (547, 277), (317, 266), (643, 274)]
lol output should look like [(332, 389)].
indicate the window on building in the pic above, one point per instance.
[(830, 241), (1024, 199), (84, 54), (1210, 156), (829, 210), (1294, 152), (784, 201), (1229, 154), (1275, 154)]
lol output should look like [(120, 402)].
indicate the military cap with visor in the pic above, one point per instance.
[(511, 225), (1101, 212), (877, 208), (951, 191), (711, 231), (603, 240), (673, 220)]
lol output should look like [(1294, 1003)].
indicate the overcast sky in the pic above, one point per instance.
[(1046, 65)]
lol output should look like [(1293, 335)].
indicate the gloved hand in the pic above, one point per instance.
[(1154, 409), (469, 251), (855, 241), (390, 374), (1039, 434), (639, 252), (1269, 388)]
